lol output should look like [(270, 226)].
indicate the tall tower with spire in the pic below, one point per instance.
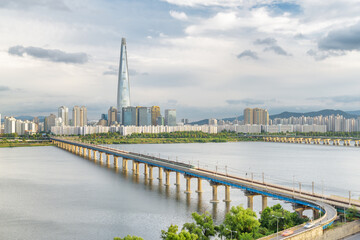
[(123, 97)]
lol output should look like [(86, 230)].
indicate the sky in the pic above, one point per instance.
[(206, 58)]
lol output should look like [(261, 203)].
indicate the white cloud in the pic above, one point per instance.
[(179, 15)]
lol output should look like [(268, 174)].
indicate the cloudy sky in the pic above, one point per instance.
[(206, 58)]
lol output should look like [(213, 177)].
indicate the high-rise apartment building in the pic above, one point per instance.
[(63, 113), (170, 117), (9, 125), (155, 113), (144, 116), (75, 117), (83, 116), (160, 121), (50, 121), (123, 97), (256, 116), (112, 116)]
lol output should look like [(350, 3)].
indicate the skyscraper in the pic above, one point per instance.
[(256, 116), (129, 116), (170, 117), (123, 97), (155, 113), (76, 116), (63, 113), (144, 116), (112, 115), (83, 116)]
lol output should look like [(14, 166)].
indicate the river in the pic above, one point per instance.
[(48, 193)]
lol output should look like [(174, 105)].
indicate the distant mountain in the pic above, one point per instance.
[(325, 112), (354, 112)]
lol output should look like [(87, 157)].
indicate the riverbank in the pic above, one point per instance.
[(26, 144), (165, 138)]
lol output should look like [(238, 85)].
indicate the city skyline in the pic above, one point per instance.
[(276, 55)]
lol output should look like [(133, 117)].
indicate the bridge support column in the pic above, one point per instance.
[(315, 214), (227, 194), (125, 164), (151, 172), (133, 166), (167, 178), (94, 152), (214, 193), (177, 179), (137, 168), (264, 202), (101, 158), (85, 152), (146, 169), (199, 190), (108, 160), (250, 202), (300, 212), (116, 163), (89, 154), (188, 184), (160, 173)]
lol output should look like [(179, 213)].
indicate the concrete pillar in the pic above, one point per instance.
[(145, 169), (125, 164), (89, 153), (300, 212), (137, 168), (199, 190), (214, 192), (167, 178), (160, 173), (250, 202), (188, 186), (101, 157), (177, 179), (264, 201), (94, 152), (227, 194), (315, 214), (108, 159), (151, 172), (133, 166), (116, 162)]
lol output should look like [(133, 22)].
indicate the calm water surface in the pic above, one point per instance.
[(48, 193)]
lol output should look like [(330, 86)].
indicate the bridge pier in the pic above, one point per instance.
[(214, 193), (89, 154), (227, 194), (151, 172), (199, 190), (85, 152), (315, 214), (264, 201), (146, 169), (167, 178), (116, 163), (125, 164), (177, 179), (101, 157), (94, 152), (357, 143), (188, 184), (108, 160), (250, 202), (160, 173), (137, 168)]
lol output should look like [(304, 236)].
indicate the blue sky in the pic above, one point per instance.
[(206, 58)]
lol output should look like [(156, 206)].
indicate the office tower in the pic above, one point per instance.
[(104, 116), (129, 116), (155, 113), (170, 117), (83, 116), (63, 113), (248, 116), (112, 116), (50, 121), (144, 116), (123, 97), (75, 117), (160, 121)]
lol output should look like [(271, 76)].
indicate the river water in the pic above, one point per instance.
[(48, 193)]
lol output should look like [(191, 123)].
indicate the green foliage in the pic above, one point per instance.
[(351, 213), (172, 234), (128, 237), (276, 215), (240, 223), (203, 227)]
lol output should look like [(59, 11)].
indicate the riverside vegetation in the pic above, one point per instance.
[(13, 140), (239, 223)]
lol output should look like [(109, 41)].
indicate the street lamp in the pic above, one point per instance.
[(277, 225)]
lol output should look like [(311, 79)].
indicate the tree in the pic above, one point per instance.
[(240, 223), (351, 213), (128, 237), (171, 234), (203, 227)]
